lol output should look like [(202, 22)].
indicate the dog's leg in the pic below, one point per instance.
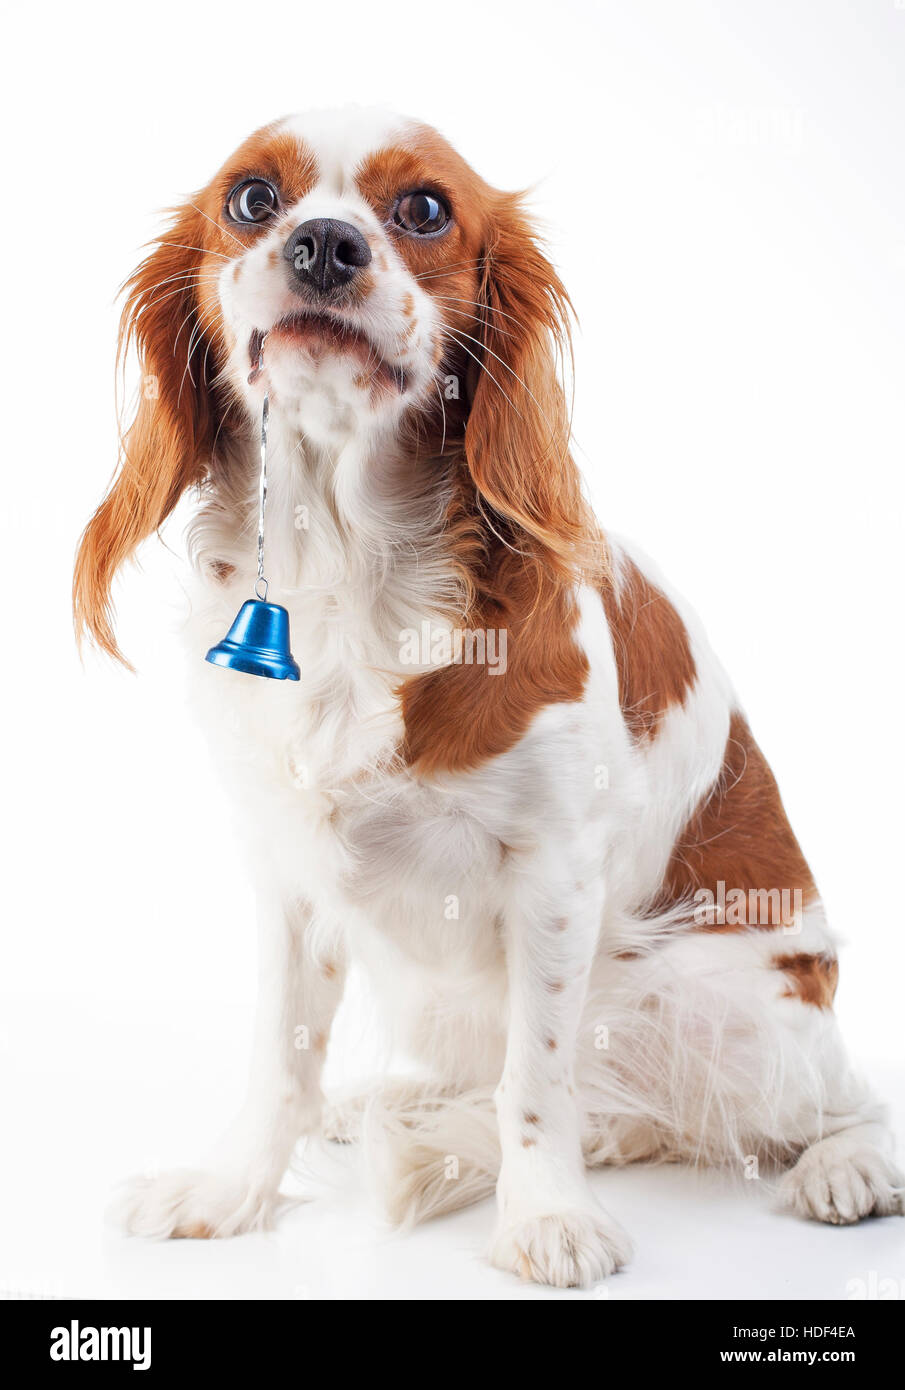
[(237, 1190), (549, 1227)]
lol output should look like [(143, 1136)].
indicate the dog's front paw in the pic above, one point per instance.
[(194, 1204), (842, 1180), (569, 1249)]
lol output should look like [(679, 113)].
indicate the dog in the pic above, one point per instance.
[(512, 781)]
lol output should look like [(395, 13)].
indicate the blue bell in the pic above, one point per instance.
[(258, 643)]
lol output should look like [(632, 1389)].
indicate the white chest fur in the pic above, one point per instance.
[(329, 811)]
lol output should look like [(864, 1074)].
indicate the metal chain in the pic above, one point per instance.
[(262, 493)]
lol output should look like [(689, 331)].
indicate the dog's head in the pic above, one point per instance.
[(355, 268)]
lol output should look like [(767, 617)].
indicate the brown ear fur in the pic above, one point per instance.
[(517, 436), (519, 564), (167, 447)]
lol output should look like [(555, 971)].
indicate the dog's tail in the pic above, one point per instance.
[(430, 1152)]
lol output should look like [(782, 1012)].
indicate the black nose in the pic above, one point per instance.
[(324, 253)]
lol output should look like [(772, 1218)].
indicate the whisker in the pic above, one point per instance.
[(171, 294), (524, 385), (207, 355), (454, 265), (193, 310), (217, 225), (187, 369), (205, 314), (221, 375), (180, 275), (484, 368), (205, 250), (230, 406), (488, 308), (503, 333), (203, 323), (443, 409)]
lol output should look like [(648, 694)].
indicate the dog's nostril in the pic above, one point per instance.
[(305, 252), (352, 253)]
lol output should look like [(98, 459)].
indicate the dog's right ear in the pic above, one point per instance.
[(173, 320)]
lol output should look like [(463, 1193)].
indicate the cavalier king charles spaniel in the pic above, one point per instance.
[(513, 781)]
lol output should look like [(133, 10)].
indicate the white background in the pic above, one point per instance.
[(722, 186)]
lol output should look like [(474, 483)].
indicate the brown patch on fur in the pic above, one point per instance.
[(811, 978), (653, 655), (530, 1118), (329, 969), (551, 1044), (460, 715), (739, 836), (528, 1142), (199, 1230), (222, 570)]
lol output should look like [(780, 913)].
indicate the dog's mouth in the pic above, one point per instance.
[(322, 336)]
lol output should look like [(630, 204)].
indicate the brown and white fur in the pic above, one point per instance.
[(518, 857)]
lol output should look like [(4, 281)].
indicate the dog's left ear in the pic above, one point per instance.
[(517, 435), (168, 445)]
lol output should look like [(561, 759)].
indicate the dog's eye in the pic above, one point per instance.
[(252, 201), (421, 212)]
